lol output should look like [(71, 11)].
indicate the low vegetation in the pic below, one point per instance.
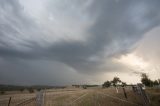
[(2, 92)]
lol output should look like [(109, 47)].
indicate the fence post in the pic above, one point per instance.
[(44, 96), (116, 89), (40, 98), (125, 94), (9, 101), (143, 96)]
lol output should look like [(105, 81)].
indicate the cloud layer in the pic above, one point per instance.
[(83, 36)]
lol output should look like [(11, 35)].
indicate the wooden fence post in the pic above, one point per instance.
[(9, 101), (40, 98), (116, 89), (125, 94), (145, 98), (44, 97)]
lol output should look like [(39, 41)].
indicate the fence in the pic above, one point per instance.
[(29, 102), (15, 100), (138, 89), (80, 97), (91, 98)]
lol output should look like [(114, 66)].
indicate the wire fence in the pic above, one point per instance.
[(128, 96), (15, 100)]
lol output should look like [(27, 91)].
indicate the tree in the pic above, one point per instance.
[(31, 90), (156, 82), (115, 81), (159, 81), (145, 80), (124, 84), (106, 84)]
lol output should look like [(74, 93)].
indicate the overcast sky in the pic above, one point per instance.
[(61, 42)]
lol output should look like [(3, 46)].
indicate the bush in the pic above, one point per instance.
[(84, 87), (106, 84), (38, 89), (31, 90), (22, 89), (2, 92)]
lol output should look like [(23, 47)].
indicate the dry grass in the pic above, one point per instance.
[(91, 97), (154, 95), (16, 98), (85, 97)]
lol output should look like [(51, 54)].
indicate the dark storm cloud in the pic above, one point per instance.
[(16, 30), (19, 71), (117, 26)]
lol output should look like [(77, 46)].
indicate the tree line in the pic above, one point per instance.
[(144, 80), (30, 89), (148, 82)]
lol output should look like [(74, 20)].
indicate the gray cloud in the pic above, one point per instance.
[(117, 27), (113, 27), (19, 71)]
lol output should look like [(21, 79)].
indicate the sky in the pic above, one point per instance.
[(63, 42)]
